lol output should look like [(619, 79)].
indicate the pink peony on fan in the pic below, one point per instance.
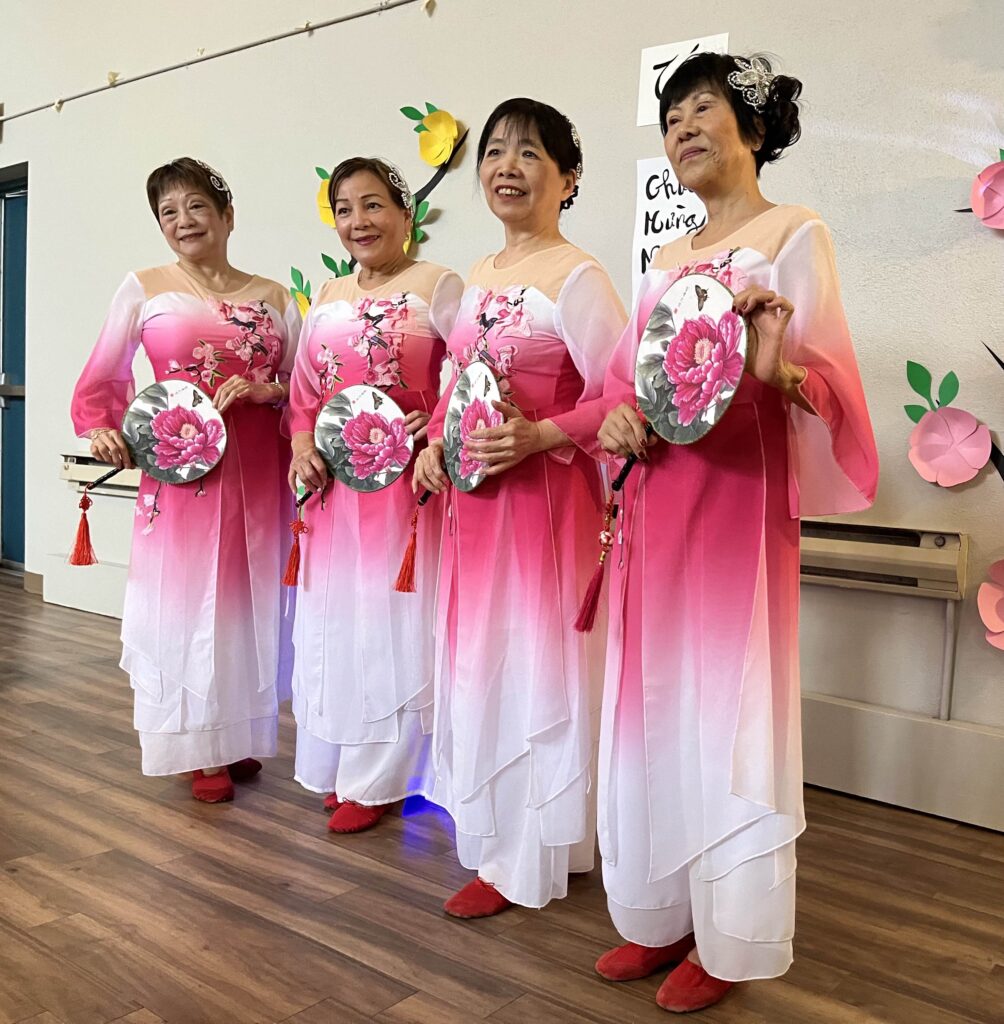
[(690, 363), (173, 434)]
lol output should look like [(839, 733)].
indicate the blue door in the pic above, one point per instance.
[(13, 250)]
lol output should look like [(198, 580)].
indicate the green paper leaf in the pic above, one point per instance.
[(296, 277), (330, 263), (293, 291), (1001, 154), (948, 389), (422, 212), (916, 412), (345, 268), (412, 113), (419, 235), (420, 128), (306, 290), (920, 380), (322, 173), (430, 107)]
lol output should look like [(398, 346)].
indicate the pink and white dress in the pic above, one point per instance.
[(202, 617), (363, 669), (516, 686), (700, 796)]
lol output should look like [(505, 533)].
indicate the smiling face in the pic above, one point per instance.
[(704, 144), (371, 226), (522, 182), (192, 226)]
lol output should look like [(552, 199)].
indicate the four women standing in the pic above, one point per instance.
[(699, 769)]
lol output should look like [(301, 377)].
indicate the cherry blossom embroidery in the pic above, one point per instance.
[(720, 267), (327, 375), (378, 342), (500, 314), (147, 507), (256, 343)]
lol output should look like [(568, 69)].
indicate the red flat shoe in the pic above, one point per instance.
[(331, 802), (477, 899), (246, 768), (631, 961), (212, 789), (352, 817), (690, 988)]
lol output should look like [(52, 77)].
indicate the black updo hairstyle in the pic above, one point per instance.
[(776, 128), (554, 129)]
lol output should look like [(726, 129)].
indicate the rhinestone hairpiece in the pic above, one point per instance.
[(397, 180), (578, 145), (217, 180), (753, 80)]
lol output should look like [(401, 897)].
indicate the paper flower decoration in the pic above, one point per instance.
[(990, 601), (949, 446), (988, 194), (300, 290), (324, 210), (437, 133)]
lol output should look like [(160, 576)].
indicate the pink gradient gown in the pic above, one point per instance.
[(516, 688), (202, 617), (700, 796), (363, 670)]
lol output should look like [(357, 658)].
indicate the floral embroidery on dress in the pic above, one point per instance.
[(257, 345), (147, 507), (720, 267), (328, 376), (504, 314), (379, 318)]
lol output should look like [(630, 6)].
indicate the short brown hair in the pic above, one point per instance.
[(374, 165), (193, 173)]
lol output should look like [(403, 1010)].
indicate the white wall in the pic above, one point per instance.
[(904, 103)]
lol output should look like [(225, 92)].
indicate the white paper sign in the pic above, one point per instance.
[(664, 211), (659, 62)]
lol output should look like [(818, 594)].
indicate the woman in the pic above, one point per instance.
[(363, 673), (701, 778), (515, 687), (200, 628)]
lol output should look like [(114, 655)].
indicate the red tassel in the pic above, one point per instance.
[(586, 618), (405, 583), (83, 552), (292, 575)]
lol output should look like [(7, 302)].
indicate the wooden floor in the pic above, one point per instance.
[(122, 899)]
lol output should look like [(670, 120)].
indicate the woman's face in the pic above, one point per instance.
[(522, 183), (704, 144), (192, 225), (371, 226)]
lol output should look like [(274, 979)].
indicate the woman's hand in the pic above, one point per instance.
[(240, 389), (307, 463), (501, 448), (768, 315), (416, 423), (430, 470), (108, 445), (623, 432)]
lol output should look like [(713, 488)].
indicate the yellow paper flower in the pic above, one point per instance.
[(303, 303), (436, 143), (324, 210)]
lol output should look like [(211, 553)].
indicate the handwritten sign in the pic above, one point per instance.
[(658, 64), (664, 211)]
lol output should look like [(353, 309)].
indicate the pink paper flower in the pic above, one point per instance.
[(949, 446), (987, 195), (376, 443), (184, 438), (477, 416), (701, 361), (990, 601)]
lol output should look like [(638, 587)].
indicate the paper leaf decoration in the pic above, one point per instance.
[(990, 602), (437, 133), (412, 113), (322, 173), (300, 290), (916, 412), (948, 389), (920, 380), (949, 446)]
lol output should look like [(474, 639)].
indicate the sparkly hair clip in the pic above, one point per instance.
[(576, 141), (753, 80), (217, 180), (396, 178)]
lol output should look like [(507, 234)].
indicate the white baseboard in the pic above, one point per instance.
[(91, 588), (951, 769)]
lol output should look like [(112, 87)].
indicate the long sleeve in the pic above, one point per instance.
[(292, 324), (445, 303), (106, 385), (590, 318), (304, 387), (833, 463)]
